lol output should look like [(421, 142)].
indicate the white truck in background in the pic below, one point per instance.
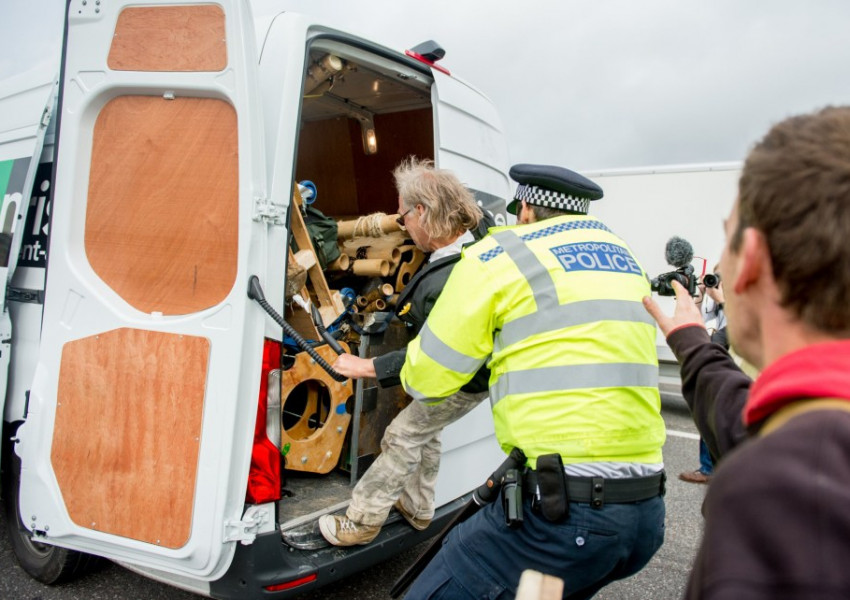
[(146, 394), (647, 206)]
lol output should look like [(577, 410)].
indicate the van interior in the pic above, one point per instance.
[(361, 115)]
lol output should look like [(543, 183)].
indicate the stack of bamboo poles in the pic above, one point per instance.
[(376, 246)]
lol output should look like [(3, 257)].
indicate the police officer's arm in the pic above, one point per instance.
[(456, 339)]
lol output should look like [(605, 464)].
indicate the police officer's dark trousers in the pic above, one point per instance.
[(483, 558)]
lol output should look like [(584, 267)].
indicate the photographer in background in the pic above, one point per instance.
[(777, 514), (711, 288), (710, 300)]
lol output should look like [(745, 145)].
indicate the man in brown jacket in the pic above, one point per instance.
[(777, 514)]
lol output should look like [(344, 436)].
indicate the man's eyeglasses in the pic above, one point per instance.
[(400, 219)]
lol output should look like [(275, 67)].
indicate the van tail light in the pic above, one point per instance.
[(288, 585), (264, 476)]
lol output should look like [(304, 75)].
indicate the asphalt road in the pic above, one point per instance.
[(664, 577)]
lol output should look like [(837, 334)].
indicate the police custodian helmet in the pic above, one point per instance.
[(553, 187)]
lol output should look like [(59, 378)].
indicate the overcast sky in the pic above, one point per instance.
[(587, 84)]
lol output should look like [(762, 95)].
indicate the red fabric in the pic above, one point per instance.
[(264, 476), (818, 371)]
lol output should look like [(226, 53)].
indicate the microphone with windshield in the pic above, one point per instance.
[(678, 253)]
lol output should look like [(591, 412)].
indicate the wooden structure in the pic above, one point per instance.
[(317, 404)]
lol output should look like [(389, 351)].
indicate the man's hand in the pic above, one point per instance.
[(354, 366), (716, 294), (685, 313)]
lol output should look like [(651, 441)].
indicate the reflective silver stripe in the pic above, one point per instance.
[(415, 394), (569, 315), (445, 355), (537, 275), (573, 377)]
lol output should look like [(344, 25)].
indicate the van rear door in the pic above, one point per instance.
[(138, 436), (470, 142)]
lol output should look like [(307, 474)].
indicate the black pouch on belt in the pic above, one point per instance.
[(554, 501)]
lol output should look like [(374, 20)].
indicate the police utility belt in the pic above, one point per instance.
[(552, 490)]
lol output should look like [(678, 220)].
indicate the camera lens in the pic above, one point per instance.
[(711, 280)]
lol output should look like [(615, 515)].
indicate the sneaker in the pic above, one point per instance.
[(339, 530), (695, 477), (419, 524)]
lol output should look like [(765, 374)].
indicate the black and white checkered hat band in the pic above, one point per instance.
[(550, 199)]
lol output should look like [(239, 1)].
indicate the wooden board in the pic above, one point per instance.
[(162, 212), (127, 434), (328, 301), (169, 38), (315, 447)]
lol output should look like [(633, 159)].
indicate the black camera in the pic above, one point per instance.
[(711, 280), (663, 284), (678, 253)]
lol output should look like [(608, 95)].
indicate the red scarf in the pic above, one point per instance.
[(818, 371)]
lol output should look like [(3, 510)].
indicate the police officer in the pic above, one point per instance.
[(553, 307)]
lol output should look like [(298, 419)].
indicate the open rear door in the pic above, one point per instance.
[(470, 142), (137, 440)]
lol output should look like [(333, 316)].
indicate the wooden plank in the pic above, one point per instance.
[(305, 258), (329, 302), (162, 218), (169, 38), (534, 585), (127, 435)]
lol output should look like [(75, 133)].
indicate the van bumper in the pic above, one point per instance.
[(269, 562)]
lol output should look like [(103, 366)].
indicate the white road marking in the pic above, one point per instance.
[(683, 434)]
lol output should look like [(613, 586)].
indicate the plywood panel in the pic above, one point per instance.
[(315, 449), (325, 158), (399, 135), (350, 182), (128, 426), (162, 211), (169, 38)]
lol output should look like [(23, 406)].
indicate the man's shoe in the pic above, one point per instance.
[(695, 477), (339, 530), (419, 524)]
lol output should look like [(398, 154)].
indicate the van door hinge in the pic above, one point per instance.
[(255, 520), (269, 212), (45, 116)]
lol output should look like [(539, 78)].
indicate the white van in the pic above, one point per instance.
[(148, 398)]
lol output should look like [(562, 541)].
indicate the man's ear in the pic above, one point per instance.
[(525, 214), (753, 260)]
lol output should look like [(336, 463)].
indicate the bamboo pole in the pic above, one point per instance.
[(374, 225), (340, 264), (370, 267), (392, 254)]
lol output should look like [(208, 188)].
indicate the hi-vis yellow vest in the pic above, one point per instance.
[(554, 309)]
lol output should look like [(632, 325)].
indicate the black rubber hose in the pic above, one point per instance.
[(320, 325), (255, 292)]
